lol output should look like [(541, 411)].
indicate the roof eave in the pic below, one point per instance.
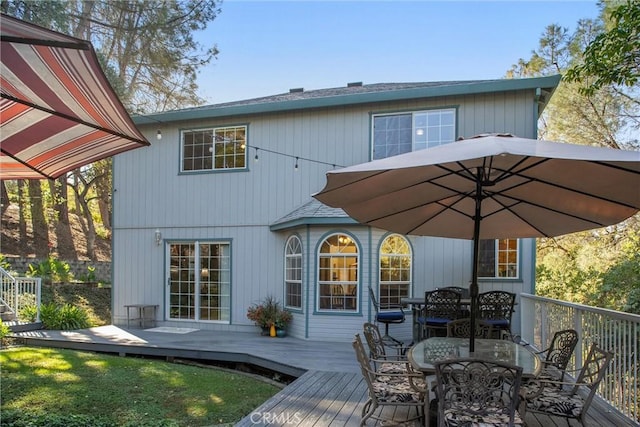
[(300, 222), (547, 83)]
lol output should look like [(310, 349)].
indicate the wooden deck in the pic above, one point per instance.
[(329, 389)]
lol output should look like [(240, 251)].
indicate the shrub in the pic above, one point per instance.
[(4, 330), (28, 313), (64, 317), (51, 271)]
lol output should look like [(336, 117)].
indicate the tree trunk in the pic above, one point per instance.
[(90, 230), (22, 219), (4, 197), (64, 238), (40, 228), (103, 191)]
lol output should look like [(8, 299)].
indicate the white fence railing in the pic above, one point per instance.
[(613, 330), (19, 292)]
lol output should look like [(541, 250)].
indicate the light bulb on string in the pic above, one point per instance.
[(159, 135), (255, 159), (296, 166)]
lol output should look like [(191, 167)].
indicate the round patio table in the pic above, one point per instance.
[(425, 353)]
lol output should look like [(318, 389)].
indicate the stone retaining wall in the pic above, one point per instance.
[(78, 268)]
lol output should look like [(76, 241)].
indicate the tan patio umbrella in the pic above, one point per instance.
[(490, 187), (57, 110)]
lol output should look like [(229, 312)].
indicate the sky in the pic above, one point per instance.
[(268, 47)]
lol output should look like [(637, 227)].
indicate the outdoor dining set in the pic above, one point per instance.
[(455, 374)]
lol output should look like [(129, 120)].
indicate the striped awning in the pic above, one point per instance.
[(58, 112)]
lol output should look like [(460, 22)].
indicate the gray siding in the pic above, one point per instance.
[(239, 206)]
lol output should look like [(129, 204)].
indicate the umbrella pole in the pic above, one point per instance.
[(473, 290)]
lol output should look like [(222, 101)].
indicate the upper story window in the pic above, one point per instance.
[(293, 273), (395, 270), (338, 274), (498, 258), (214, 149), (395, 134)]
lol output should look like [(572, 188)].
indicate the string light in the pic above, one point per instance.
[(298, 158), (243, 145)]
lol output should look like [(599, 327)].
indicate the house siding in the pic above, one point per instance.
[(238, 206)]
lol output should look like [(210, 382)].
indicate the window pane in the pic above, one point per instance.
[(402, 133), (338, 274), (395, 270), (219, 148), (293, 273), (498, 258)]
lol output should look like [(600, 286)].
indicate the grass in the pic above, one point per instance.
[(122, 391)]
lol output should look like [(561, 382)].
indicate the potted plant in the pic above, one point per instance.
[(269, 313), (283, 318)]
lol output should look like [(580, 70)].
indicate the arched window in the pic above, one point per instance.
[(338, 274), (293, 273), (395, 270)]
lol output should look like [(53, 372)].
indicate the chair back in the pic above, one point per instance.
[(442, 304), (461, 328), (464, 292), (374, 340), (496, 305), (374, 300), (470, 390), (593, 371), (561, 349), (368, 370)]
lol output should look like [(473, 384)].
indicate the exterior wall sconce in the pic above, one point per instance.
[(158, 237)]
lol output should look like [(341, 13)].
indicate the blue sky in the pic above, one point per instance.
[(268, 47)]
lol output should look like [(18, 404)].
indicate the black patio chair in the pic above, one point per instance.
[(461, 328), (496, 308), (387, 314), (472, 392), (440, 307)]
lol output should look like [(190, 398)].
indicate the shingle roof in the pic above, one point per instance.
[(312, 212), (351, 95)]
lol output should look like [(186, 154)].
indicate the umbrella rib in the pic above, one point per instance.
[(49, 43), (44, 175), (74, 119), (564, 187)]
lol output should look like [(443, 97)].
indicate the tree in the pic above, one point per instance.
[(613, 57), (149, 55), (584, 267)]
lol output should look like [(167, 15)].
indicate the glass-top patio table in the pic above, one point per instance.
[(425, 353)]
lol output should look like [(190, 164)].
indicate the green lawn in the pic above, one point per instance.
[(121, 391)]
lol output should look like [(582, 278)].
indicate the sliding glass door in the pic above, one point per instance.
[(199, 281)]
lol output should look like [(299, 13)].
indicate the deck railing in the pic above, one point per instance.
[(613, 330), (19, 292)]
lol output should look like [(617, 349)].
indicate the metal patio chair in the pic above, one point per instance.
[(402, 388), (440, 307), (461, 328), (474, 392), (387, 314), (570, 399), (496, 308)]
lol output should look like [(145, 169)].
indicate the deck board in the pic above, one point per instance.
[(329, 390)]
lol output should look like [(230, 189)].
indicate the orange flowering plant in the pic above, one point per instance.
[(268, 313)]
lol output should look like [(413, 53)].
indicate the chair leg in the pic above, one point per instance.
[(388, 337)]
